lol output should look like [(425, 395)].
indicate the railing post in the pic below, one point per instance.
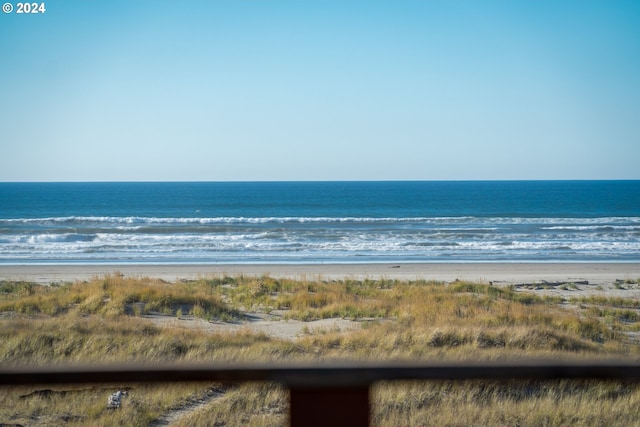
[(329, 406)]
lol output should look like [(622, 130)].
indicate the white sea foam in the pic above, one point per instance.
[(241, 239), (263, 220)]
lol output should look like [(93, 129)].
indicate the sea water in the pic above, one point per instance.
[(320, 222)]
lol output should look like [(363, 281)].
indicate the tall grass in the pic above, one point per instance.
[(105, 321), (474, 403), (115, 295)]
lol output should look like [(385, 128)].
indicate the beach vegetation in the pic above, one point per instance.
[(114, 319)]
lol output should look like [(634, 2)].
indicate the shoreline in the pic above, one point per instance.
[(500, 272)]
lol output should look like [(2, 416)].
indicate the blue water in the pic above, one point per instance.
[(300, 222)]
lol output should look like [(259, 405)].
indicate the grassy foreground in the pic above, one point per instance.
[(108, 321)]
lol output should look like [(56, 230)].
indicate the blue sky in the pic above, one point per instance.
[(320, 90)]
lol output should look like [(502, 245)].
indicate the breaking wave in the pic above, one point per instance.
[(97, 239)]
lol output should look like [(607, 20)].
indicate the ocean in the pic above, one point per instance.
[(319, 222)]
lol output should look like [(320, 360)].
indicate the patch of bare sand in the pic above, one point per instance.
[(272, 325)]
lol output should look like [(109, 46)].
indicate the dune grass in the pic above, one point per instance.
[(106, 321)]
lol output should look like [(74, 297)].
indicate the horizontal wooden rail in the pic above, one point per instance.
[(318, 375), (328, 394)]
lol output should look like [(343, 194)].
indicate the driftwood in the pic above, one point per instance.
[(48, 393), (553, 284)]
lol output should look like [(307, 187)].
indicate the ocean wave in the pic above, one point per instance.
[(141, 221), (599, 227), (285, 239), (49, 238)]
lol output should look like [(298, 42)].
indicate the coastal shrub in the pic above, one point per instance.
[(459, 287), (19, 288), (607, 301), (448, 339), (627, 315)]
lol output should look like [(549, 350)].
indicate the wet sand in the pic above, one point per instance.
[(500, 273)]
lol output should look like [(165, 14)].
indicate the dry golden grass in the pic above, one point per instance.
[(103, 321), (583, 403), (86, 405), (252, 405)]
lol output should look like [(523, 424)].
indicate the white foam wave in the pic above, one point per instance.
[(599, 227), (137, 220), (99, 239)]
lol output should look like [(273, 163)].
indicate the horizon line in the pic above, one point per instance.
[(313, 181)]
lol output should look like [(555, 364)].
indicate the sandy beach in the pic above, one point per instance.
[(500, 273)]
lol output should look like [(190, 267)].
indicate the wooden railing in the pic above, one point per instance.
[(323, 395)]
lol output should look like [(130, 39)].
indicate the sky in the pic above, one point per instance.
[(253, 90)]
